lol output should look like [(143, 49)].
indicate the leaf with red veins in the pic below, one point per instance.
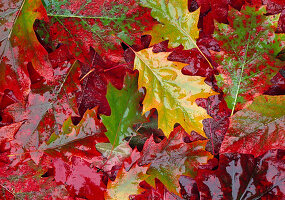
[(96, 77), (77, 140), (19, 45), (258, 128), (47, 107), (159, 192), (29, 181), (247, 58), (169, 158), (79, 178), (241, 176), (82, 24)]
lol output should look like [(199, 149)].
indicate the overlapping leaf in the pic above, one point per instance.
[(172, 158), (82, 24), (258, 128), (126, 183), (170, 92), (96, 75), (19, 45), (46, 110), (247, 54), (113, 158), (178, 25), (240, 176), (79, 140), (125, 110)]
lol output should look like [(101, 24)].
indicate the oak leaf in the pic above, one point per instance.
[(77, 140), (170, 92), (178, 25), (172, 158), (126, 183), (45, 111), (241, 176), (125, 110), (247, 58), (19, 45), (257, 128)]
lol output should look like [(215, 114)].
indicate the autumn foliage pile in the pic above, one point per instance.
[(142, 100)]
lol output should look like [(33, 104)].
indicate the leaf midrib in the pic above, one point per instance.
[(162, 83), (242, 69)]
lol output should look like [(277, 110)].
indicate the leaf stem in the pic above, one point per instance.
[(89, 72), (192, 40)]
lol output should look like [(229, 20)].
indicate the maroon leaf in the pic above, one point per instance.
[(96, 76), (240, 176), (159, 192)]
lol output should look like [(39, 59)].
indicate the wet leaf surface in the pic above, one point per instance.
[(105, 99)]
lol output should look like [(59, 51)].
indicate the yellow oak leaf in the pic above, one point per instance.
[(126, 183), (178, 25), (170, 92)]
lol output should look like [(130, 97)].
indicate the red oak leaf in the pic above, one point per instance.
[(79, 178), (47, 107), (169, 157), (84, 24), (258, 128), (19, 45), (240, 176), (96, 76)]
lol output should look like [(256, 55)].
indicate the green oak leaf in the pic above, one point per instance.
[(125, 110), (247, 59)]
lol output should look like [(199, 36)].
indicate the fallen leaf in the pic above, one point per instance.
[(170, 92), (125, 110), (126, 183), (172, 158), (258, 128), (247, 58), (240, 176)]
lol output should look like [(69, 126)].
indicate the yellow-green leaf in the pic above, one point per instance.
[(126, 183), (178, 25), (170, 92)]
